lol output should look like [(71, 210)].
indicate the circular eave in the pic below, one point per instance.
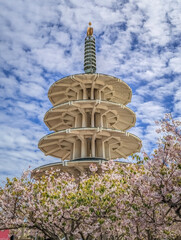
[(66, 89), (59, 144), (63, 116), (74, 167)]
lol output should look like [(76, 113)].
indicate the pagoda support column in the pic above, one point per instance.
[(103, 149), (83, 148), (83, 119), (76, 121), (73, 150), (92, 117), (99, 94), (93, 146), (92, 91)]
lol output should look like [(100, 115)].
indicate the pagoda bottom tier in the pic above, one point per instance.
[(98, 142), (75, 167)]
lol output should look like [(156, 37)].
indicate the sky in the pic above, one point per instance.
[(41, 41)]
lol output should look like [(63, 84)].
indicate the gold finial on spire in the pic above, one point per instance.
[(90, 30)]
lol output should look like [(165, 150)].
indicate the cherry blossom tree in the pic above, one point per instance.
[(132, 201)]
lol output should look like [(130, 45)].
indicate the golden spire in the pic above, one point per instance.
[(89, 30)]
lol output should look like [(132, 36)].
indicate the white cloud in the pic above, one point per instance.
[(177, 96), (177, 99), (32, 90), (175, 64)]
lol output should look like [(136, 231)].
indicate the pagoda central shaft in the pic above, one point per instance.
[(90, 52)]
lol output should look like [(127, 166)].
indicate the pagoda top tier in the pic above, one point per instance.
[(90, 87)]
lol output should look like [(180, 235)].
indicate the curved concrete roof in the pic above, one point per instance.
[(63, 116), (109, 88), (59, 144), (74, 167)]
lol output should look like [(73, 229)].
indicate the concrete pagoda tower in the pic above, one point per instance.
[(89, 118)]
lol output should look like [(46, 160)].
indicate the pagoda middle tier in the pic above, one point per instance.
[(89, 119)]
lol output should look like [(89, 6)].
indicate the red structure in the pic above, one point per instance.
[(4, 235)]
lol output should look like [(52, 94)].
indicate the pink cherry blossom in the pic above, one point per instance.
[(133, 201)]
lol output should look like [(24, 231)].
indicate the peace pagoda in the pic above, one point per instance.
[(89, 118)]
